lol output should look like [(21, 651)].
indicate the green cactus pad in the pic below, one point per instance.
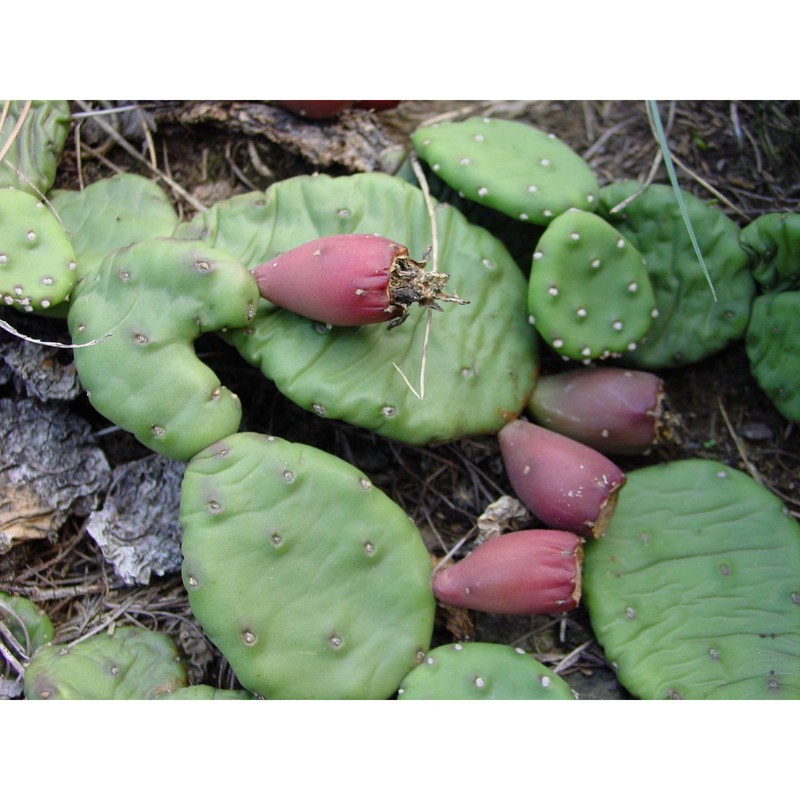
[(25, 621), (113, 213), (482, 671), (37, 260), (128, 664), (589, 294), (510, 166), (482, 358), (32, 158), (155, 298), (694, 591), (773, 348), (690, 324), (202, 692), (311, 582), (773, 243)]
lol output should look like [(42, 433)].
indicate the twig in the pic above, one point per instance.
[(120, 140)]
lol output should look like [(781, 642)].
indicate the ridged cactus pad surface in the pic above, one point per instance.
[(483, 671), (311, 582), (37, 260), (691, 324), (482, 358), (155, 298), (772, 241), (128, 664), (694, 591), (589, 294), (773, 348), (32, 138), (510, 166)]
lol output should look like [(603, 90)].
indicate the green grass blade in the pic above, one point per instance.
[(673, 178)]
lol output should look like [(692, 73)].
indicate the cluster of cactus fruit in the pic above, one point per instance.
[(310, 580)]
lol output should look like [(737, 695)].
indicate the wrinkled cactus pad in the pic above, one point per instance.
[(37, 260), (32, 157), (589, 294), (482, 671), (694, 591), (773, 348), (201, 691), (25, 621), (311, 582), (112, 213), (772, 241), (155, 298), (128, 664), (690, 325), (482, 358), (510, 166)]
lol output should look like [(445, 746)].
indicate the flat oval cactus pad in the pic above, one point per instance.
[(128, 664), (311, 582), (483, 671), (482, 358), (510, 166), (694, 591)]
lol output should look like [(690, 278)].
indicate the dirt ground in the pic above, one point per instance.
[(743, 154)]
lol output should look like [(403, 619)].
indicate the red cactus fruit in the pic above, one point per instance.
[(315, 109), (377, 105), (351, 279), (566, 484), (526, 572), (612, 409)]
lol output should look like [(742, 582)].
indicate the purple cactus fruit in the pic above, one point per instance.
[(612, 409), (350, 279), (566, 484), (526, 572)]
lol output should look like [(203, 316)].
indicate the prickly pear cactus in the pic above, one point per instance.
[(482, 358), (589, 294), (128, 664), (510, 166), (772, 344), (694, 591), (202, 692), (154, 299), (37, 260), (113, 213), (773, 243), (690, 325), (34, 136), (482, 671), (311, 582), (25, 621)]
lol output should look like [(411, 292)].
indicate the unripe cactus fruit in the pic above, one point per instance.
[(612, 409), (566, 484), (525, 572), (350, 279), (482, 671)]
